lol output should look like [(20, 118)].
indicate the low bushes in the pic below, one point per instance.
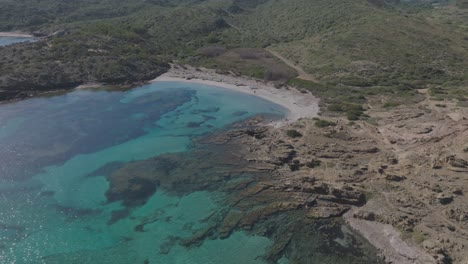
[(292, 133), (324, 123), (352, 111)]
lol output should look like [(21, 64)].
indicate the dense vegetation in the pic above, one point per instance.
[(354, 48), (359, 44)]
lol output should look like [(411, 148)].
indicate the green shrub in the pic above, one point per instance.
[(324, 123), (313, 86), (391, 104), (313, 163), (336, 108), (292, 133), (353, 115)]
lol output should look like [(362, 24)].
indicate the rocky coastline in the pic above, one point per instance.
[(318, 178), (405, 172), (403, 190), (399, 181), (263, 195)]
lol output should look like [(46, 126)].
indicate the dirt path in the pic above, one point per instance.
[(301, 73)]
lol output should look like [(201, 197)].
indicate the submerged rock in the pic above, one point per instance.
[(230, 222)]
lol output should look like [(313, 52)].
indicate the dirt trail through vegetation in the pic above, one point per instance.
[(301, 73)]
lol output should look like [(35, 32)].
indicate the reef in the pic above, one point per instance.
[(301, 214)]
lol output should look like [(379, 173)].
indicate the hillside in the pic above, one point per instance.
[(121, 48), (347, 46), (358, 43)]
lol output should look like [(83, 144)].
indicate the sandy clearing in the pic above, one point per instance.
[(15, 35)]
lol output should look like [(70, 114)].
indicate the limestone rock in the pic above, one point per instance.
[(457, 162), (364, 215)]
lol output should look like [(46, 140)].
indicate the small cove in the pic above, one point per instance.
[(65, 157), (53, 212)]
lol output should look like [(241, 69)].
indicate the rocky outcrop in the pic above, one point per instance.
[(364, 215), (256, 215), (395, 178), (444, 198), (456, 163), (387, 240)]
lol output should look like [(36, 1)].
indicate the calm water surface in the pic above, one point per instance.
[(53, 211), (12, 40)]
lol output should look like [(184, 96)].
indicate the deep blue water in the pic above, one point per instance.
[(51, 211)]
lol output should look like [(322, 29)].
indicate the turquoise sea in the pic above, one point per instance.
[(53, 211), (12, 40)]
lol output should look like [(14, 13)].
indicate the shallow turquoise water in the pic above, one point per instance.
[(52, 211), (12, 40)]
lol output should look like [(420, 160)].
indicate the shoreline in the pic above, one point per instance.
[(385, 238), (299, 105), (393, 247), (16, 35)]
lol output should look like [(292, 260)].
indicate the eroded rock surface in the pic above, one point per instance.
[(411, 164)]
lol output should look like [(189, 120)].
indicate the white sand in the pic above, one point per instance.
[(299, 105), (15, 35), (90, 86)]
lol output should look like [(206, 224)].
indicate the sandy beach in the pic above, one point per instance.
[(15, 35), (299, 104), (89, 86)]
